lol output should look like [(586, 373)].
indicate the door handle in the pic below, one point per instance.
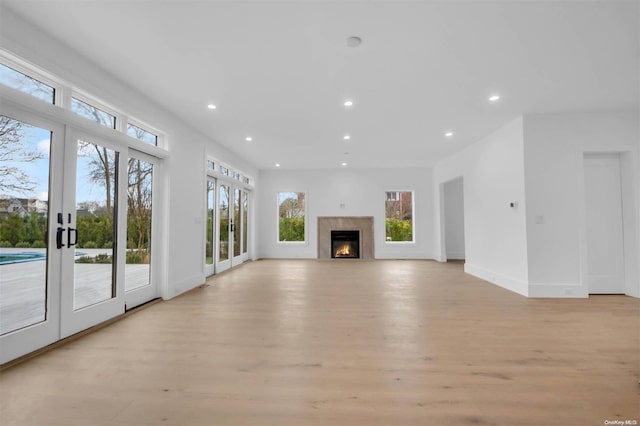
[(233, 228), (59, 233), (75, 241)]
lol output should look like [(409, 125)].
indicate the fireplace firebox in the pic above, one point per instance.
[(345, 244)]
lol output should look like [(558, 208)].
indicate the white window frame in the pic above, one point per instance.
[(306, 222), (413, 216), (118, 118), (21, 66), (143, 126), (230, 178), (64, 92)]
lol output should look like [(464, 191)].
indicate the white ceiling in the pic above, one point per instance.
[(279, 71)]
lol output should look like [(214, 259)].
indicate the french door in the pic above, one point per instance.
[(210, 228), (232, 226), (92, 233), (75, 231)]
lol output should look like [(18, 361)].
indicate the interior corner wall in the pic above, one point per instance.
[(495, 232), (345, 192), (184, 169), (554, 168)]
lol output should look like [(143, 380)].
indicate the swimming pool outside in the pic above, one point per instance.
[(25, 256)]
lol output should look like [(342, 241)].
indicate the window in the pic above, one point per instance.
[(398, 212), (92, 113), (291, 216), (141, 134), (393, 196), (211, 165), (24, 83), (224, 171), (236, 175)]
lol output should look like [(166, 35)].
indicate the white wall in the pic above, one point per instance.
[(454, 218), (495, 233), (184, 180), (556, 226), (362, 192)]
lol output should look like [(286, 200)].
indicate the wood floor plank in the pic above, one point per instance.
[(304, 342)]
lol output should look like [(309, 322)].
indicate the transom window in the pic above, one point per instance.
[(93, 113), (141, 134), (214, 167), (29, 85), (19, 75)]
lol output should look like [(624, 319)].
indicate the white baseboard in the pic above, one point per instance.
[(185, 285), (456, 256), (559, 290), (498, 279)]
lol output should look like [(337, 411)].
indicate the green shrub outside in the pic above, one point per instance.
[(398, 230), (101, 258), (6, 244), (38, 244), (23, 244), (133, 257), (90, 245), (291, 229)]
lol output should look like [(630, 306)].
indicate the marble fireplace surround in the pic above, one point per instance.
[(364, 224)]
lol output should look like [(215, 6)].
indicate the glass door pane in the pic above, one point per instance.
[(210, 220), (223, 248), (24, 220), (96, 224), (245, 221), (236, 222), (139, 213)]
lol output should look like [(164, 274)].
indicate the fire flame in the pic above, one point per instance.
[(343, 251)]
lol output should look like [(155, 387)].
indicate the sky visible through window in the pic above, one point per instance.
[(38, 141), (12, 78)]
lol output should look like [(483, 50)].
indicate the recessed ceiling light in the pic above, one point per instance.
[(354, 41), (348, 103), (494, 98), (277, 164), (346, 137), (248, 139), (448, 134), (344, 164), (211, 106)]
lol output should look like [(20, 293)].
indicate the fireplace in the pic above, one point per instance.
[(345, 244)]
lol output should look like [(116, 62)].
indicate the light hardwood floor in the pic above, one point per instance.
[(297, 342)]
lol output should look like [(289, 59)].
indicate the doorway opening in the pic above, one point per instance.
[(452, 216)]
